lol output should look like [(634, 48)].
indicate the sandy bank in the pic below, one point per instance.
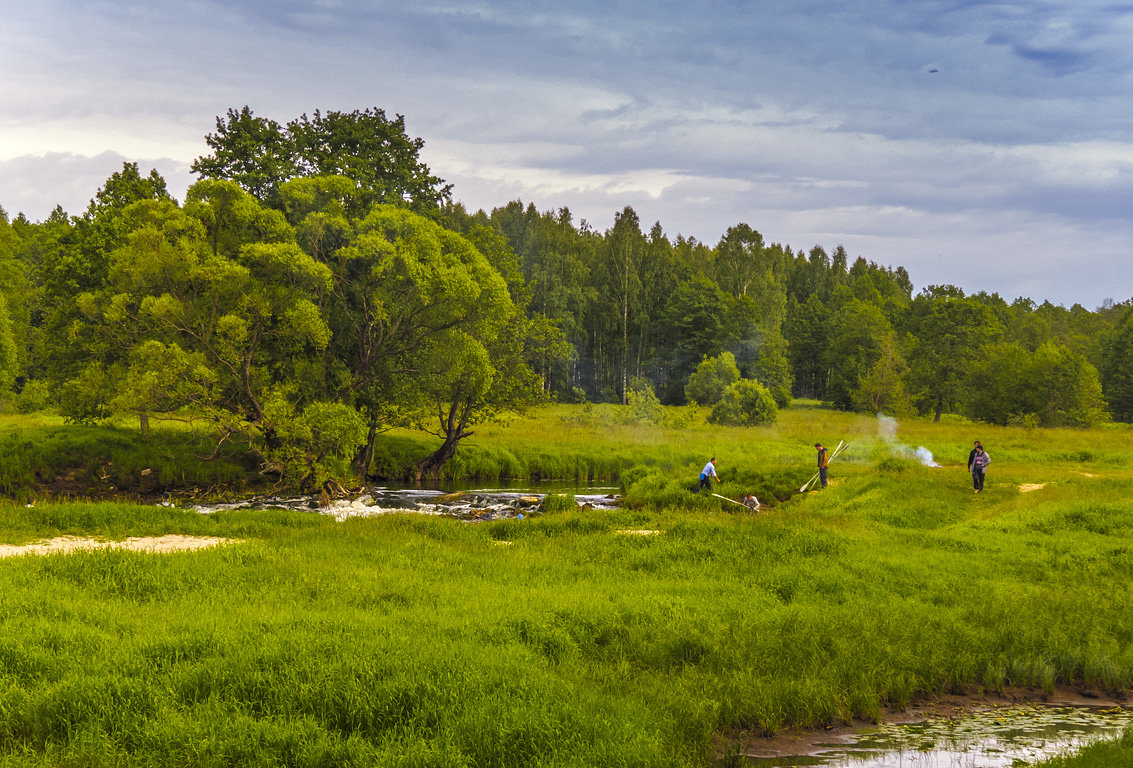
[(168, 543)]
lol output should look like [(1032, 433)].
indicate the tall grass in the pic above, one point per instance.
[(1117, 753), (41, 452), (625, 637)]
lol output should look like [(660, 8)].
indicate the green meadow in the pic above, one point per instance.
[(663, 633)]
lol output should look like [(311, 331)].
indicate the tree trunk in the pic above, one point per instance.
[(143, 423), (430, 467), (939, 409), (365, 456)]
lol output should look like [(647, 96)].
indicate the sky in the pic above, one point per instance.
[(983, 144)]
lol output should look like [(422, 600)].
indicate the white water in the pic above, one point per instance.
[(479, 504)]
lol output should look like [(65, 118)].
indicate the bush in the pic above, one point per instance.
[(714, 375), (644, 407), (34, 397), (746, 403), (85, 399)]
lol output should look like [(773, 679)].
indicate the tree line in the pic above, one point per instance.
[(319, 285)]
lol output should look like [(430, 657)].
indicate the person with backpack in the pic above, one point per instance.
[(978, 460)]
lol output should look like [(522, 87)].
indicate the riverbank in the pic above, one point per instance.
[(945, 708)]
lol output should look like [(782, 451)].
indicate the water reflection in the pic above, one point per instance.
[(990, 739)]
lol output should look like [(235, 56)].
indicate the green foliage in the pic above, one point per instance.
[(35, 396), (858, 340), (1114, 753), (950, 334), (644, 407), (773, 369), (316, 444), (85, 399), (1051, 387), (1117, 369), (746, 403), (882, 389), (9, 353), (806, 331), (1063, 388), (558, 502), (714, 375), (364, 146)]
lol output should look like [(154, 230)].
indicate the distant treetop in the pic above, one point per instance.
[(364, 146)]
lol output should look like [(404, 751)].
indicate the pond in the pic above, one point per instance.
[(992, 738), (463, 501)]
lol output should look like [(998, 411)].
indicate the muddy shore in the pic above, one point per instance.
[(810, 742)]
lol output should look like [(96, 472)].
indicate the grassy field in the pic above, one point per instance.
[(646, 636)]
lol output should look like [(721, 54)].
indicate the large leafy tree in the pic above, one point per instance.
[(15, 305), (365, 146), (424, 328), (707, 383), (693, 322), (950, 334), (623, 252), (1054, 386), (1063, 388), (994, 388), (739, 260), (859, 337), (214, 313), (882, 389), (807, 331), (72, 261)]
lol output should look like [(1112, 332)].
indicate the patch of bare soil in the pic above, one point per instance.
[(168, 543), (806, 742), (1028, 487)]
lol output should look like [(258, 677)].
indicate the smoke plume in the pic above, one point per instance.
[(887, 431)]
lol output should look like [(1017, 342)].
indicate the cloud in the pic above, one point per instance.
[(815, 122), (35, 184)]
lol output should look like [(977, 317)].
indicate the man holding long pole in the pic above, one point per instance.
[(706, 476), (823, 463)]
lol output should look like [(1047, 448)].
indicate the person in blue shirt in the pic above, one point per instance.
[(706, 476)]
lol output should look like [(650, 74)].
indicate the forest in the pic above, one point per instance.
[(318, 285)]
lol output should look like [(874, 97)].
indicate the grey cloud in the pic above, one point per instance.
[(812, 120), (35, 184)]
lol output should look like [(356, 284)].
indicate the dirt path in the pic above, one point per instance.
[(168, 543)]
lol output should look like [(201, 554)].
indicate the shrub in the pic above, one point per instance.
[(644, 407), (746, 403), (85, 399), (714, 375), (34, 397)]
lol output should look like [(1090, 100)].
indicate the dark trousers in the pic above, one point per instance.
[(978, 478), (822, 476), (705, 483)]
